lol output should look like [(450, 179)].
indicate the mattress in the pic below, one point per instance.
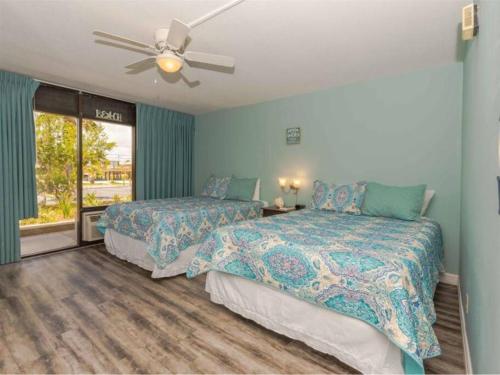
[(352, 341), (135, 251)]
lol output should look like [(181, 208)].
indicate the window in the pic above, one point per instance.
[(85, 160), (106, 163)]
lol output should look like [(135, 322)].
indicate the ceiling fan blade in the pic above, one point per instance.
[(123, 39), (208, 58), (126, 47), (177, 34), (146, 63)]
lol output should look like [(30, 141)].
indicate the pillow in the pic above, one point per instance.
[(340, 198), (241, 189), (209, 186), (216, 187), (429, 194), (403, 203), (256, 193), (221, 186)]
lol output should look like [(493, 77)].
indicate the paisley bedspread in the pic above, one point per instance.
[(171, 225), (382, 271)]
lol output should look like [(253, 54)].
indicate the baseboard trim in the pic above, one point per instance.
[(465, 339), (449, 278)]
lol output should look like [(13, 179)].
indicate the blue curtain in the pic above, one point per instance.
[(17, 160), (164, 159)]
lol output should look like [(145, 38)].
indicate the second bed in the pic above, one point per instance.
[(162, 235)]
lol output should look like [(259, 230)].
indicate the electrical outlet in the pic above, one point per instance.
[(466, 303)]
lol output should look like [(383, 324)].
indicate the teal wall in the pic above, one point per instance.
[(480, 233), (397, 130)]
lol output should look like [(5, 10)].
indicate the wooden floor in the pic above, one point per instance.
[(85, 311)]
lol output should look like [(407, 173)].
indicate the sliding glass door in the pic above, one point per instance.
[(56, 179), (85, 146)]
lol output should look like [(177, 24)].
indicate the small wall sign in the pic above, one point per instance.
[(108, 115), (293, 136)]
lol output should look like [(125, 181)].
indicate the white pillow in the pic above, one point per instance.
[(256, 192), (427, 200)]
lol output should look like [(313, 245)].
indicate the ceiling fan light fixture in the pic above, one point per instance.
[(169, 62)]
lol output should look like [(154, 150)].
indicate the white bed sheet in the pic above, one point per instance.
[(135, 251), (352, 341)]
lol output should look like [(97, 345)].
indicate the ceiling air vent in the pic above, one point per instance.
[(469, 22)]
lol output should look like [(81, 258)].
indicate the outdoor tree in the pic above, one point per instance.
[(56, 139), (95, 148), (56, 156)]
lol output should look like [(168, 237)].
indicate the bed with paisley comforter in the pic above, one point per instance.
[(316, 275), (162, 235)]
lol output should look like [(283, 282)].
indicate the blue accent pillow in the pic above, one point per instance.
[(241, 189), (216, 187), (340, 198), (208, 186)]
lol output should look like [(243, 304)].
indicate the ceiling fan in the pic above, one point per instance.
[(169, 48)]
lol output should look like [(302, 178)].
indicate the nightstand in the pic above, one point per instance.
[(272, 210)]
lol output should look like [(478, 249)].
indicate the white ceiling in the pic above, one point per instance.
[(282, 47)]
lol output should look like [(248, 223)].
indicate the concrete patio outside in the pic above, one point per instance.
[(41, 238)]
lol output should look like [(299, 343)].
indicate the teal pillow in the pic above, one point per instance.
[(403, 203), (241, 189)]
